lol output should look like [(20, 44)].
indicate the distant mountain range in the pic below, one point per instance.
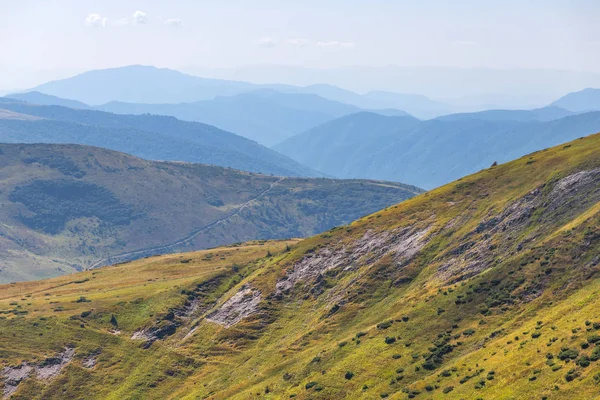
[(67, 207), (582, 101), (263, 115), (431, 153), (150, 137), (43, 99)]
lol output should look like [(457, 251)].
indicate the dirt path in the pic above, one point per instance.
[(171, 247)]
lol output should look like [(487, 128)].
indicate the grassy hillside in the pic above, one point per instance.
[(149, 136), (68, 207), (484, 288), (434, 152)]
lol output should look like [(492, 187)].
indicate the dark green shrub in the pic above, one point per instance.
[(571, 375), (567, 354), (390, 339), (384, 325), (593, 339), (583, 361), (349, 375), (448, 389)]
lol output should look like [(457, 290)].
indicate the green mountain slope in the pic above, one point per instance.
[(148, 136), (484, 288), (68, 207), (427, 153)]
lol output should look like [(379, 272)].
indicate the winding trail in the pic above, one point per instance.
[(172, 247)]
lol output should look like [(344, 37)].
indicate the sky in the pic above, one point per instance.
[(41, 40)]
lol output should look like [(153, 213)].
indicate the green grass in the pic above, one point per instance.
[(437, 326)]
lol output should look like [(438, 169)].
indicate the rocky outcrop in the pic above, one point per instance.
[(401, 243), (241, 305), (48, 369)]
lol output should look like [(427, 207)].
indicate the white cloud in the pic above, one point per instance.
[(140, 17), (297, 42), (174, 22), (337, 43), (267, 42), (96, 20)]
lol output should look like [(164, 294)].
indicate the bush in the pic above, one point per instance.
[(448, 389), (584, 361), (310, 385), (349, 375), (390, 340), (384, 325), (567, 354), (571, 375), (594, 339)]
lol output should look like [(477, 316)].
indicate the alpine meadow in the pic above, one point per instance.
[(300, 200)]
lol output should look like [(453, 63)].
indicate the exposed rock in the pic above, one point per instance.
[(155, 333), (52, 366), (48, 369), (90, 362), (241, 305), (586, 186), (575, 181), (476, 255), (402, 243), (13, 376)]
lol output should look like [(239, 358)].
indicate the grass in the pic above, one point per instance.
[(434, 326)]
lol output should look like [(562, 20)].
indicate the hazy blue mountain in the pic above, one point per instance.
[(48, 100), (436, 82), (139, 84), (147, 136), (426, 153), (266, 116), (584, 100), (414, 104), (549, 113)]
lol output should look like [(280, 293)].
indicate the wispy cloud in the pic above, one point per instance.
[(140, 18), (267, 42), (174, 23), (337, 43), (96, 20)]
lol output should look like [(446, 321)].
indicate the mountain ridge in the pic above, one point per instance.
[(147, 136), (71, 207), (426, 153)]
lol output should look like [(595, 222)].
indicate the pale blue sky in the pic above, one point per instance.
[(42, 39)]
